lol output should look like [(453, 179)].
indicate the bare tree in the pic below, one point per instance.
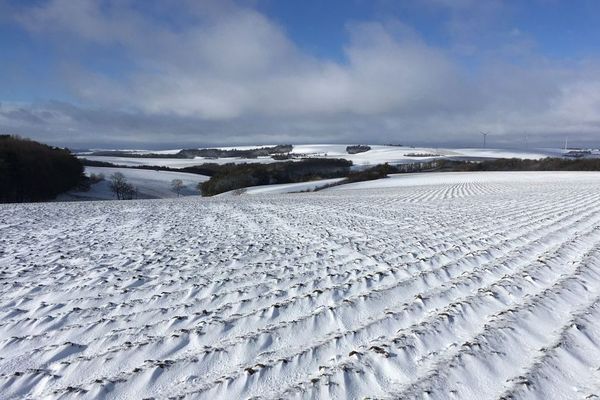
[(177, 186), (131, 192), (120, 187)]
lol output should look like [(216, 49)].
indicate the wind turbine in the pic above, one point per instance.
[(484, 137)]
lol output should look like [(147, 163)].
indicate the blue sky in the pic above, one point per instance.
[(162, 74)]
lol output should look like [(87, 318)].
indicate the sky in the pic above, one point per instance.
[(179, 73)]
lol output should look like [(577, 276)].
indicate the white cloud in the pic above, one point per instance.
[(228, 73)]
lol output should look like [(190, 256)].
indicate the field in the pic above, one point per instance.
[(150, 184), (377, 155), (438, 286)]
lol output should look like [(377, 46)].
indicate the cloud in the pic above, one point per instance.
[(221, 73)]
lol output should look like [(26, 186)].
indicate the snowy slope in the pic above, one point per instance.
[(285, 187), (466, 178), (477, 289), (150, 184)]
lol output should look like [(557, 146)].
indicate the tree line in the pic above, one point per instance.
[(235, 176), (205, 153)]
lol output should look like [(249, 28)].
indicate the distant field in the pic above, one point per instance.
[(478, 285), (150, 184), (377, 155)]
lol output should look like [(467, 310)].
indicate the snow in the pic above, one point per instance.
[(285, 187), (462, 178), (461, 288), (404, 155), (175, 162), (167, 152), (535, 154), (151, 184), (377, 155)]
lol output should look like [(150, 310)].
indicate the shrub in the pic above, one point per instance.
[(95, 178), (360, 148)]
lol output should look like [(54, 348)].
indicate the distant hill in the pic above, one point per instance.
[(206, 153)]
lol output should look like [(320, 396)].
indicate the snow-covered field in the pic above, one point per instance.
[(174, 162), (453, 180), (150, 184), (407, 155), (464, 288), (285, 187), (377, 155)]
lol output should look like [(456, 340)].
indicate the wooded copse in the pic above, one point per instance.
[(32, 171), (235, 176)]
